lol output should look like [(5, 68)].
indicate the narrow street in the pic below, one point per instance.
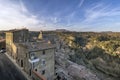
[(8, 71)]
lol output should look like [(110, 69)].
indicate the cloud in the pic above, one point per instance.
[(100, 11), (23, 8), (16, 15), (99, 17), (81, 3), (54, 20), (70, 17)]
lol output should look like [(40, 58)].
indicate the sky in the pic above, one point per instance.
[(74, 15)]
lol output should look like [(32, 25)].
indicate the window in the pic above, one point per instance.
[(55, 68), (44, 52), (21, 63), (43, 62), (43, 72), (30, 72), (32, 56), (35, 69), (56, 73)]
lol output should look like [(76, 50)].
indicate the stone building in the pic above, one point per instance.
[(36, 58), (15, 36)]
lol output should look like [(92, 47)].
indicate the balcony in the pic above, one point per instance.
[(34, 59)]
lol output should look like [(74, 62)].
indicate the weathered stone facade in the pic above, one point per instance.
[(39, 59), (34, 57)]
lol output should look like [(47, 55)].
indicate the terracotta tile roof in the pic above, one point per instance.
[(39, 75)]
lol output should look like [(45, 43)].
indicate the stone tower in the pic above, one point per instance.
[(40, 37)]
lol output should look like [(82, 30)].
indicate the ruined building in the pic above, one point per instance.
[(36, 58)]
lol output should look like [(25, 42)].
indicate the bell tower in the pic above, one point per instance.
[(40, 37)]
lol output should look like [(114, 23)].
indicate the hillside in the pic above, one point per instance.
[(99, 52)]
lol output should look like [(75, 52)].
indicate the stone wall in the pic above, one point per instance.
[(9, 41), (46, 63)]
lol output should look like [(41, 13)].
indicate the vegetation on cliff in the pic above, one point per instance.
[(98, 51)]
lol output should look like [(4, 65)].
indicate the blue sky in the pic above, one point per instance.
[(77, 15)]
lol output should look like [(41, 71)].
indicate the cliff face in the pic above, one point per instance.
[(68, 70), (97, 52)]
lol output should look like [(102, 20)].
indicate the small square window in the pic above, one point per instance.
[(43, 52), (43, 72), (35, 69), (43, 62)]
